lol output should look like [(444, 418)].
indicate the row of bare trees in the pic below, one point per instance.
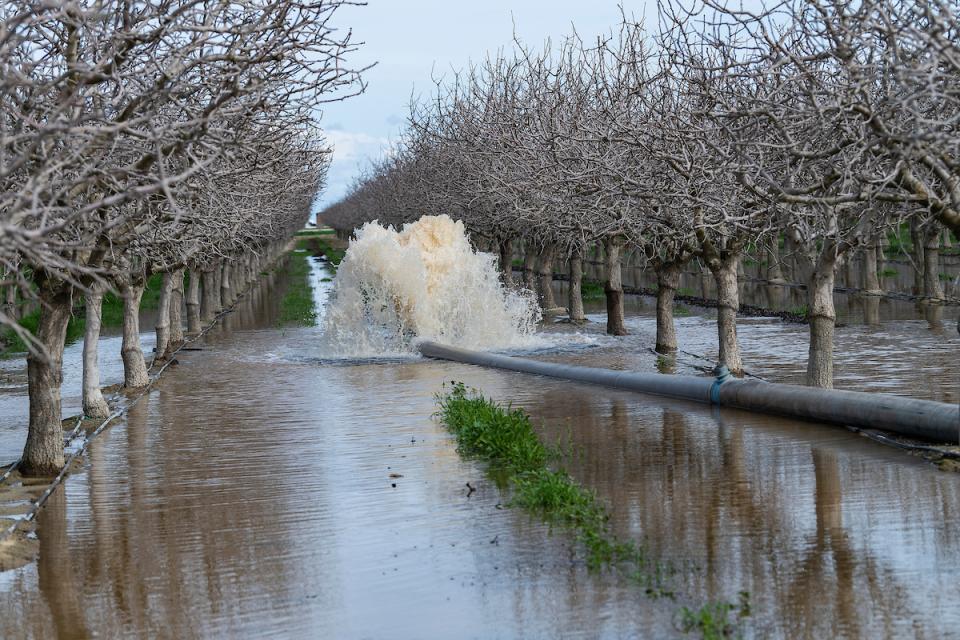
[(807, 129), (152, 138)]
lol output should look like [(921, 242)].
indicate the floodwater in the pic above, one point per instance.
[(252, 494)]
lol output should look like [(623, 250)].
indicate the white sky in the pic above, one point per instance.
[(413, 39)]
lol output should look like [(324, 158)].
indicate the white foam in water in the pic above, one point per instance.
[(425, 282)]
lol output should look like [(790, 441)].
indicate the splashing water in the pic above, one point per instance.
[(425, 282)]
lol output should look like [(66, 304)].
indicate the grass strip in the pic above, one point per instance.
[(320, 247), (506, 440), (297, 306)]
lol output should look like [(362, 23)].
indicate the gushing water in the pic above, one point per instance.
[(424, 282)]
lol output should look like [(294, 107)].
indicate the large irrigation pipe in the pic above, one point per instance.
[(925, 419)]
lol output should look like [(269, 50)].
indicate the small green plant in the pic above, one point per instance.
[(681, 310), (713, 620), (801, 311), (686, 291), (888, 272)]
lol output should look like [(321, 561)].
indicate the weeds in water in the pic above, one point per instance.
[(681, 310), (505, 438), (713, 620), (800, 311), (520, 464)]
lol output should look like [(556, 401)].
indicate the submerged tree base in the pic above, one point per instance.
[(505, 438)]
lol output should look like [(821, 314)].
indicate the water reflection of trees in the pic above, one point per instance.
[(793, 513)]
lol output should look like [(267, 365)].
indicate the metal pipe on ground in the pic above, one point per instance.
[(923, 419)]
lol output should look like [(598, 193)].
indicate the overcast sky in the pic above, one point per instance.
[(413, 39)]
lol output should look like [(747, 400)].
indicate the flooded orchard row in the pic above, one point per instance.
[(252, 494)]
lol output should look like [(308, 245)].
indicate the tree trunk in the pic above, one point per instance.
[(575, 293), (163, 319), (947, 241), (506, 261), (176, 312), (871, 279), (43, 452), (916, 238), (668, 279), (774, 270), (932, 290), (871, 311), (728, 304), (134, 366), (545, 274), (613, 286), (529, 269), (10, 301), (219, 304), (211, 297), (822, 319), (94, 404), (849, 274), (226, 287), (194, 324)]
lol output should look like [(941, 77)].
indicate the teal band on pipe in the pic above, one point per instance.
[(715, 392), (722, 374)]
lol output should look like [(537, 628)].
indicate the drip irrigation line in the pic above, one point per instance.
[(6, 474), (882, 438), (65, 471), (713, 363)]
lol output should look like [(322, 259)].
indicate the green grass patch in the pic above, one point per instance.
[(686, 291), (888, 272), (591, 290), (801, 311), (112, 316), (11, 343), (297, 306), (681, 310), (309, 233)]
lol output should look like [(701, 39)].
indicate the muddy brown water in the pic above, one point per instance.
[(251, 495)]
